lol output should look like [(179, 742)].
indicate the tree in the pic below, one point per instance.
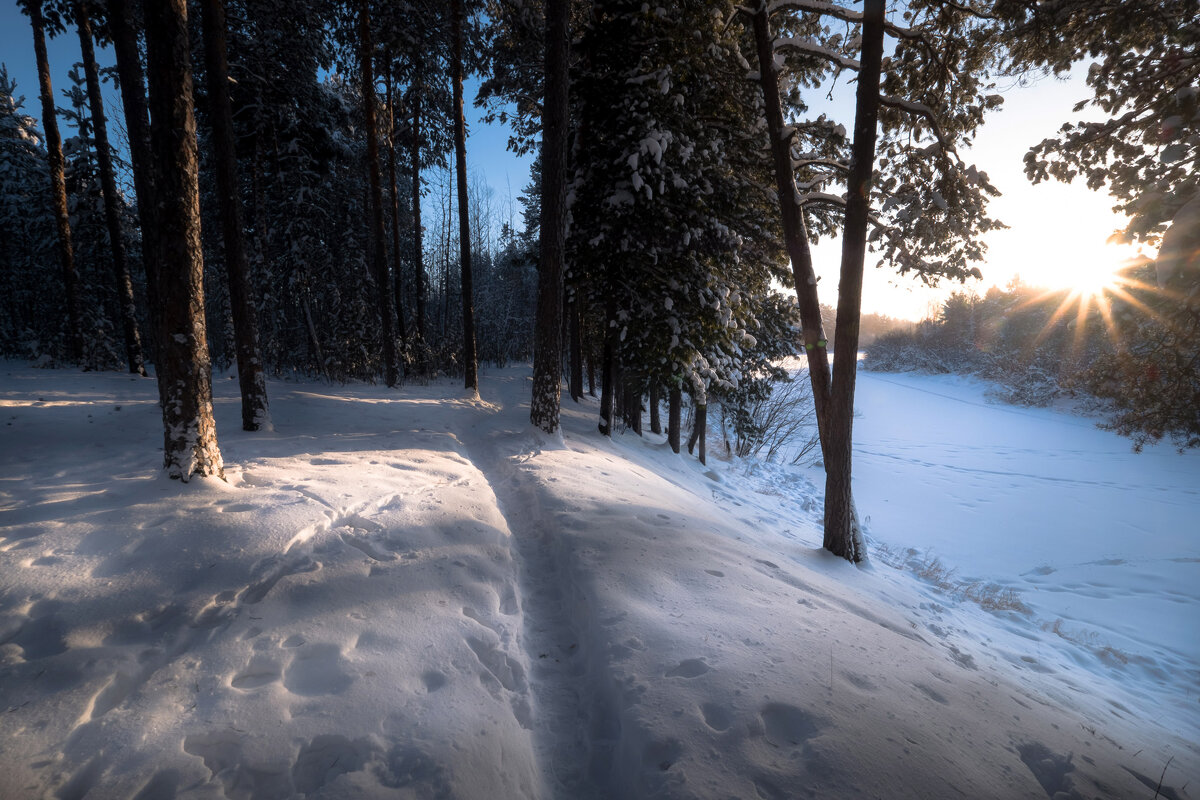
[(470, 359), (547, 354), (842, 535), (190, 440), (58, 189), (377, 246), (925, 209), (29, 233), (251, 377), (122, 282)]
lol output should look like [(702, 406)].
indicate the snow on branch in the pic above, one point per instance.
[(838, 12), (921, 110), (809, 47)]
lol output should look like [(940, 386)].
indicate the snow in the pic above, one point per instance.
[(411, 593)]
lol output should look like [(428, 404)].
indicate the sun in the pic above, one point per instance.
[(1088, 279)]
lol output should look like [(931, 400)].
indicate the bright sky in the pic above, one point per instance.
[(1056, 231)]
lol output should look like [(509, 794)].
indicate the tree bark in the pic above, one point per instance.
[(58, 184), (547, 352), (397, 262), (608, 369), (190, 439), (655, 414), (137, 125), (418, 245), (376, 244), (470, 354), (674, 413), (794, 233), (575, 346), (251, 378), (843, 536), (122, 282)]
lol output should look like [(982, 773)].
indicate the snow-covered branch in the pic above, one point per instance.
[(921, 110), (811, 48)]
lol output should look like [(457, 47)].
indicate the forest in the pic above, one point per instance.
[(284, 199)]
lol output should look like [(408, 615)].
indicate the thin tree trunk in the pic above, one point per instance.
[(608, 369), (190, 440), (843, 536), (575, 345), (137, 125), (674, 413), (470, 356), (418, 246), (794, 233), (251, 379), (547, 348), (376, 244), (397, 262), (122, 282), (58, 185), (655, 402)]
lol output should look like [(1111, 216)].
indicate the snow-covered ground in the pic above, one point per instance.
[(411, 594)]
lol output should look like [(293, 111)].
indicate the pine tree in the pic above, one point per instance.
[(190, 439), (251, 377), (547, 356), (122, 281), (58, 190)]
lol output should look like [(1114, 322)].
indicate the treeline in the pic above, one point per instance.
[(301, 161), (1127, 346)]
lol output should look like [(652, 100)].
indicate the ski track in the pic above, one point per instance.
[(565, 677)]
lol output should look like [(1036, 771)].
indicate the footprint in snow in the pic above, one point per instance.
[(688, 668), (318, 669)]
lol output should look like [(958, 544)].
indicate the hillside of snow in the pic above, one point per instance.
[(412, 594)]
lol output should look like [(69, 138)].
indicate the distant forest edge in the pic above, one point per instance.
[(1113, 350)]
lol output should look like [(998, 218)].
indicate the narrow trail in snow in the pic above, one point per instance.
[(573, 746)]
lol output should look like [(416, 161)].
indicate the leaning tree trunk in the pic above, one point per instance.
[(843, 536), (547, 349), (190, 440), (378, 257), (122, 282), (58, 184), (251, 378), (794, 233), (470, 356)]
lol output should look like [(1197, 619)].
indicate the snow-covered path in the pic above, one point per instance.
[(413, 594)]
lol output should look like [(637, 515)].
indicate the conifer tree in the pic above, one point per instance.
[(190, 439)]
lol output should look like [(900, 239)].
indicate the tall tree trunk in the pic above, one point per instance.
[(843, 536), (251, 378), (547, 345), (58, 184), (190, 439), (122, 282), (575, 346), (470, 356), (674, 413), (794, 233), (137, 125), (397, 262), (418, 245), (655, 412), (376, 244), (608, 368)]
